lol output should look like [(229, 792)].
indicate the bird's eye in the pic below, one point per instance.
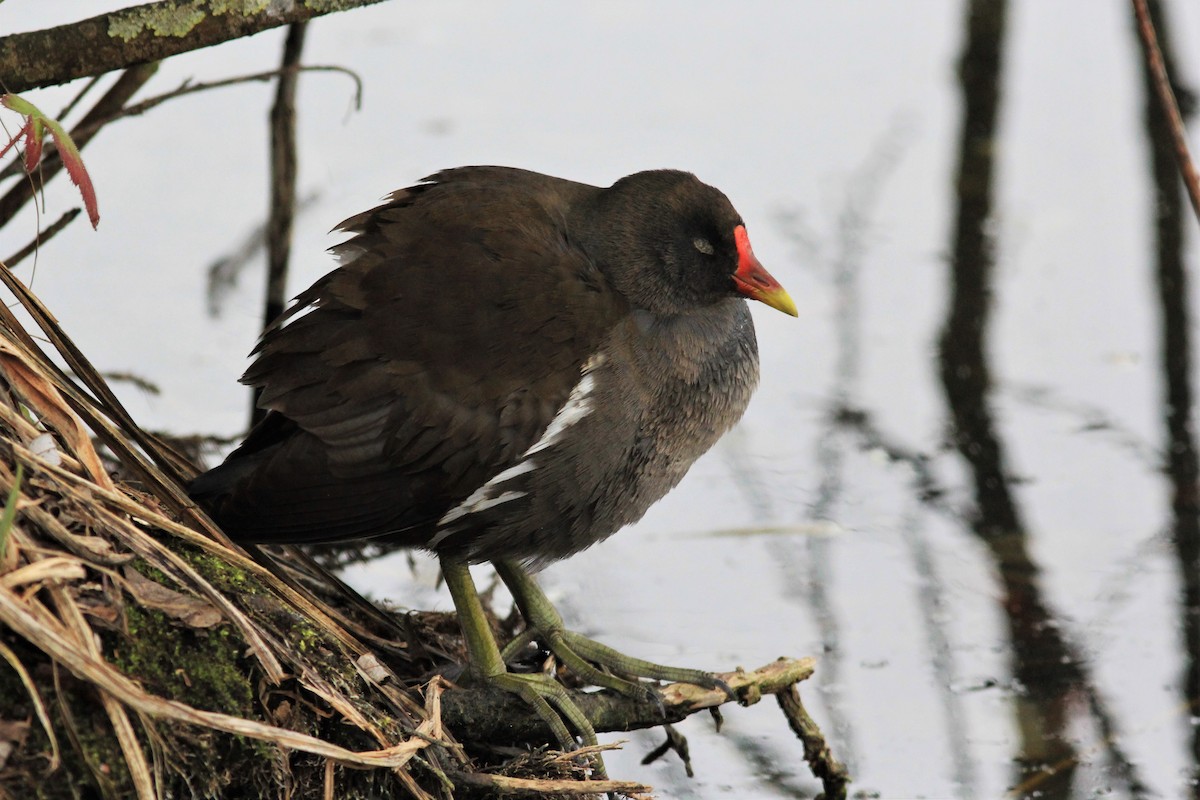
[(703, 245)]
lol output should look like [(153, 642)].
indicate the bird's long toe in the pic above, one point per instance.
[(595, 663)]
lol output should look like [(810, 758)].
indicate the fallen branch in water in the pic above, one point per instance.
[(487, 714)]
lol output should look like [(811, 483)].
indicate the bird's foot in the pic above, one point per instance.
[(554, 705), (595, 663), (545, 695)]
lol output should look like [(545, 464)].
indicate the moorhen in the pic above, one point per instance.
[(505, 367)]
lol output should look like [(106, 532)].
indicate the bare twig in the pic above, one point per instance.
[(42, 237), (187, 87), (225, 270), (1180, 459), (78, 98), (143, 384), (676, 743), (282, 211), (829, 770), (1166, 99)]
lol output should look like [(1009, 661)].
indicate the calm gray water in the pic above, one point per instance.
[(987, 533)]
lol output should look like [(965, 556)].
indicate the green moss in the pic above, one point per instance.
[(201, 667), (100, 749), (160, 21), (305, 637), (206, 667), (226, 577), (245, 8), (326, 6)]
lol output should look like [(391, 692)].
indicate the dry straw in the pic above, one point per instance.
[(79, 551)]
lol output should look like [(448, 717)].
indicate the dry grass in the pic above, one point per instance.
[(123, 610)]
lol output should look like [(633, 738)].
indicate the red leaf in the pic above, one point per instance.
[(79, 176), (34, 131), (16, 138), (33, 144), (73, 162)]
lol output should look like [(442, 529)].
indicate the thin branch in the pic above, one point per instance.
[(1166, 99), (225, 271), (282, 210), (191, 88), (1181, 453), (676, 743), (141, 34), (829, 770), (78, 98), (42, 237)]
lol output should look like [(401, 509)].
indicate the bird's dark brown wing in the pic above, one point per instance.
[(429, 361)]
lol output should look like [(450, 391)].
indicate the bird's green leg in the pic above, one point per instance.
[(579, 653), (539, 690)]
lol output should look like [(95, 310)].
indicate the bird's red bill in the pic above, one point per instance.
[(753, 280)]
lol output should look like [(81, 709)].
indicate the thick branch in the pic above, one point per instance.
[(141, 34), (493, 715)]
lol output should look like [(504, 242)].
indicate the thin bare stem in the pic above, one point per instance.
[(1166, 99), (42, 237), (282, 209)]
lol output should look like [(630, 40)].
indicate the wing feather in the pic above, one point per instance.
[(427, 363)]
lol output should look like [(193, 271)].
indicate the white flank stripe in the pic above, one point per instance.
[(578, 406), (495, 501), (472, 505), (512, 472), (481, 499)]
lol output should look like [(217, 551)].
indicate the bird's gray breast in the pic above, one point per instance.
[(657, 395), (703, 370)]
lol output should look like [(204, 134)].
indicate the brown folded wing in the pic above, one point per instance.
[(428, 362)]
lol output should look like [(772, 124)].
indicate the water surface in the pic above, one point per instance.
[(968, 481)]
